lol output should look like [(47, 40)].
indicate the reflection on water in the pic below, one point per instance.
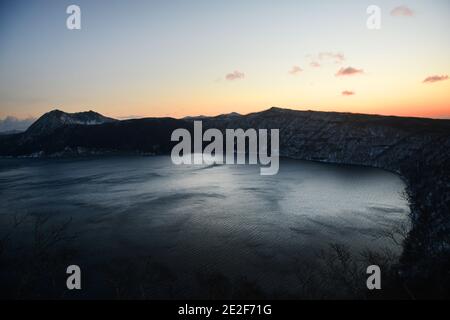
[(192, 225)]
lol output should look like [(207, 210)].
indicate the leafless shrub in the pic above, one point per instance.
[(17, 221), (397, 233), (140, 278), (39, 260)]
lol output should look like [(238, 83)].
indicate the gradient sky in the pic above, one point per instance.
[(189, 57)]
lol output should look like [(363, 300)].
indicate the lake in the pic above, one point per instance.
[(141, 227)]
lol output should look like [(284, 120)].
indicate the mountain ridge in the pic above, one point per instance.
[(56, 118), (58, 131), (416, 148)]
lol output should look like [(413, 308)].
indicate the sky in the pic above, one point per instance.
[(136, 58)]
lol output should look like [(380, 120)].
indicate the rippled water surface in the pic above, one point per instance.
[(190, 223)]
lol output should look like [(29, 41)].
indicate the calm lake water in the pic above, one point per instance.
[(187, 231)]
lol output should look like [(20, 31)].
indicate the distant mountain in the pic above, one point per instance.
[(416, 148), (9, 132), (222, 116), (11, 125), (201, 117), (324, 136), (228, 115), (55, 119)]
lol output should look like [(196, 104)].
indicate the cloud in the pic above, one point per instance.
[(348, 93), (324, 57), (13, 124), (432, 79), (349, 71), (336, 57), (402, 11), (295, 70), (236, 75)]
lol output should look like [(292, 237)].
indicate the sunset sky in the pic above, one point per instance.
[(189, 57)]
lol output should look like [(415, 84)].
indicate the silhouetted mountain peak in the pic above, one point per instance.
[(57, 118), (228, 115), (273, 110)]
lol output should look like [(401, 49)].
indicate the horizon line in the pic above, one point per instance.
[(137, 117)]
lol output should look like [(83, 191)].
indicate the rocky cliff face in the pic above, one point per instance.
[(417, 149)]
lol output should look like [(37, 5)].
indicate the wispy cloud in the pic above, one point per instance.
[(316, 60), (349, 71), (235, 75), (348, 93), (336, 57), (295, 70), (402, 11), (432, 79)]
